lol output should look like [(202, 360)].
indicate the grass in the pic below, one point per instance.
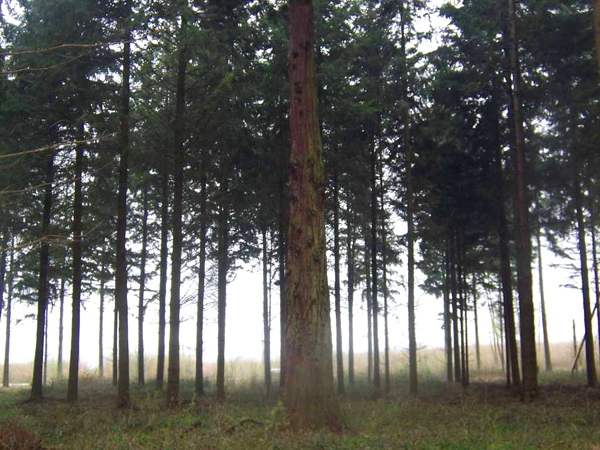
[(486, 416)]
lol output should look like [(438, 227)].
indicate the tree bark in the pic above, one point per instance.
[(529, 388), (11, 276), (73, 386), (590, 360), (412, 338), (369, 305), (201, 282), (477, 348), (338, 313), (141, 302), (547, 356), (164, 263), (36, 384), (374, 274), (115, 352), (309, 395), (384, 288), (178, 182), (282, 232), (123, 395), (350, 248), (3, 274), (61, 318), (595, 263), (455, 329), (223, 268), (101, 323), (448, 315), (266, 315)]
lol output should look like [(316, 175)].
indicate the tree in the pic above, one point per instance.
[(309, 394), (529, 388), (124, 398)]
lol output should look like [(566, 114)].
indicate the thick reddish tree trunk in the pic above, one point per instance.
[(309, 393)]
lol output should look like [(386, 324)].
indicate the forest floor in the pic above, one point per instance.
[(445, 416)]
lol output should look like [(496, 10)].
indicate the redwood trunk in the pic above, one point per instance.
[(309, 394)]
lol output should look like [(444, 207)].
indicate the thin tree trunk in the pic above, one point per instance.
[(384, 288), (455, 329), (447, 315), (529, 389), (462, 308), (309, 395), (543, 305), (512, 361), (36, 384), (164, 263), (101, 323), (123, 395), (115, 353), (283, 213), (266, 321), (369, 306), (338, 313), (374, 208), (223, 268), (141, 305), (477, 348), (575, 352), (201, 282), (12, 269), (350, 248), (590, 360), (595, 264), (73, 386), (46, 349), (412, 338), (178, 163), (61, 318), (3, 274)]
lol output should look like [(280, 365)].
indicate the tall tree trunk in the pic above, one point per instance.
[(201, 282), (455, 301), (309, 394), (46, 349), (513, 375), (369, 305), (595, 263), (350, 249), (223, 268), (73, 387), (282, 232), (529, 389), (164, 263), (36, 384), (447, 314), (590, 360), (101, 323), (178, 164), (412, 338), (374, 208), (3, 259), (462, 309), (123, 395), (575, 352), (477, 348), (543, 305), (61, 318), (338, 313), (11, 276), (115, 352), (384, 288), (141, 305), (266, 315)]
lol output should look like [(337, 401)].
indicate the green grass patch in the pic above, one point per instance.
[(486, 416)]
